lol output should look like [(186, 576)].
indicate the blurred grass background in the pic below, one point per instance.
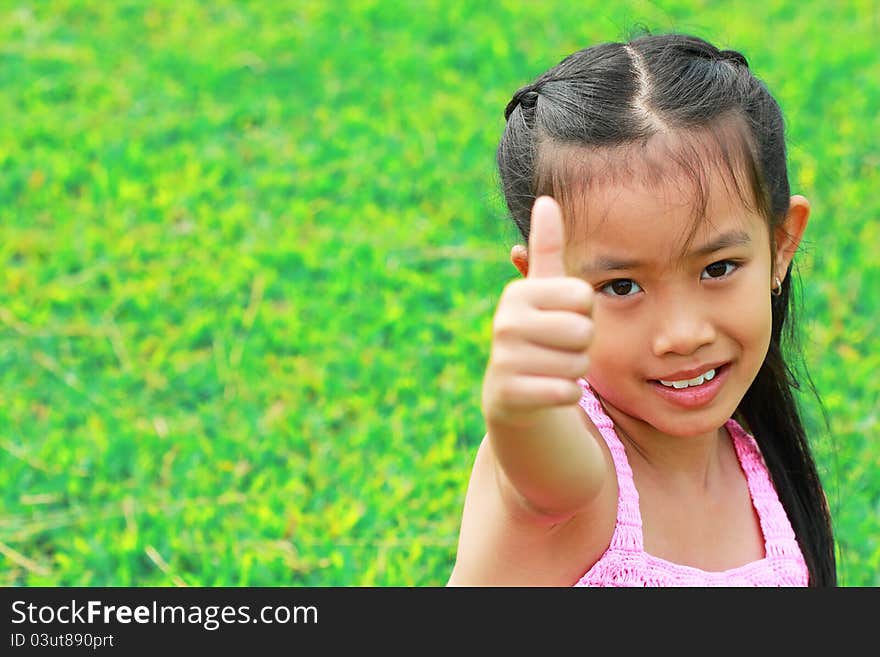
[(250, 254)]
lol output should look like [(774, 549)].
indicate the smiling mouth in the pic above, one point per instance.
[(718, 370)]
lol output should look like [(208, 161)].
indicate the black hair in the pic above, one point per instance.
[(585, 121)]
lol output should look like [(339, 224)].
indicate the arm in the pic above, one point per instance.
[(541, 333), (504, 540), (553, 461)]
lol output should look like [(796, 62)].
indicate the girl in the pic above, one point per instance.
[(641, 428)]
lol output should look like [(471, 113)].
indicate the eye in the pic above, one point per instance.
[(719, 270), (621, 287)]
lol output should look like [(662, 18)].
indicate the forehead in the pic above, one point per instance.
[(675, 186), (657, 225)]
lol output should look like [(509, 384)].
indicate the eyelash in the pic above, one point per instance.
[(736, 265)]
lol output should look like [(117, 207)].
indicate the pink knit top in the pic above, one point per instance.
[(625, 562)]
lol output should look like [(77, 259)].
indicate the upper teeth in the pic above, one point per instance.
[(708, 376)]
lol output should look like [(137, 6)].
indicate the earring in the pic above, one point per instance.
[(776, 291)]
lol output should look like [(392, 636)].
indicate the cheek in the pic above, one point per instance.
[(616, 343), (749, 315), (616, 354)]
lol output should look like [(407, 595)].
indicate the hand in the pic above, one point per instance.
[(541, 331)]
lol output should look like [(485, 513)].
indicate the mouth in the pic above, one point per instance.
[(692, 396)]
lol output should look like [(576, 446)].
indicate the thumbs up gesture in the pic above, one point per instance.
[(541, 330)]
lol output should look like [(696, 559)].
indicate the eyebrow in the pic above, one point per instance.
[(723, 241)]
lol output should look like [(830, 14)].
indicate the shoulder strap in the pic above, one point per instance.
[(628, 530), (775, 525)]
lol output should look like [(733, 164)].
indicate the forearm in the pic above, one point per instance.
[(551, 459)]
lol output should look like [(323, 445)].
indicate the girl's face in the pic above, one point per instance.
[(657, 315)]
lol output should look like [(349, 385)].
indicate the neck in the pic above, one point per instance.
[(681, 461)]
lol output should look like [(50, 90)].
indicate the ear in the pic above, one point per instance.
[(789, 234), (519, 256)]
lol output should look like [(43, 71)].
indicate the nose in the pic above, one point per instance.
[(682, 328)]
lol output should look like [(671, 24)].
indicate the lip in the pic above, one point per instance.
[(697, 396), (681, 375)]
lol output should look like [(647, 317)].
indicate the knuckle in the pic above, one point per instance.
[(582, 292), (583, 331), (503, 323), (509, 394), (578, 365), (491, 394), (501, 358), (503, 327), (567, 393), (589, 329), (514, 289)]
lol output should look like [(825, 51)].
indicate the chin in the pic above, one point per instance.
[(693, 430)]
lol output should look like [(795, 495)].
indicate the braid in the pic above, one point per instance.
[(527, 97), (733, 56)]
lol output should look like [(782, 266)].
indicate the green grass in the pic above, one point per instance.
[(251, 253)]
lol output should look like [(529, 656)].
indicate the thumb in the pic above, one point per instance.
[(546, 238)]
